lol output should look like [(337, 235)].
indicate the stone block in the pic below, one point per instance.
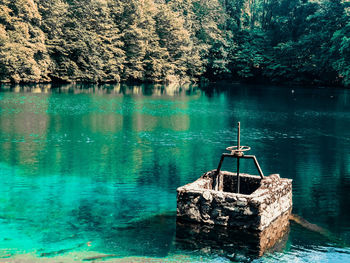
[(260, 202)]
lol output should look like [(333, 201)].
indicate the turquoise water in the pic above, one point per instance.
[(95, 168)]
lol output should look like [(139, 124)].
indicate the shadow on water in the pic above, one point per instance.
[(151, 237), (161, 235)]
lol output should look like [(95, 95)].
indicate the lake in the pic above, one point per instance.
[(88, 170)]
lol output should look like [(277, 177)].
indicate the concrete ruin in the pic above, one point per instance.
[(212, 200), (235, 200)]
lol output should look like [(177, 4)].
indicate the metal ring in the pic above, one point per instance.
[(235, 148)]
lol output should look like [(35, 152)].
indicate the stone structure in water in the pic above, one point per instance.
[(235, 200), (259, 203), (231, 242)]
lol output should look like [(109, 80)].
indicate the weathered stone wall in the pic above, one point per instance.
[(213, 238), (198, 202)]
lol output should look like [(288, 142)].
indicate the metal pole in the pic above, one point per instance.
[(238, 136), (238, 147), (256, 164), (238, 179), (220, 163)]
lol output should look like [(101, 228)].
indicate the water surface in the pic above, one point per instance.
[(95, 168)]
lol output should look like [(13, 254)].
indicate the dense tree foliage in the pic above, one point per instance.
[(302, 41)]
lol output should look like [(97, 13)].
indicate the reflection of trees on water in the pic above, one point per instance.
[(115, 89), (83, 144), (23, 125)]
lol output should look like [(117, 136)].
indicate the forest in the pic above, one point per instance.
[(304, 42)]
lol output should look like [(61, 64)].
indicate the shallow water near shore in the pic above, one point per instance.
[(93, 170)]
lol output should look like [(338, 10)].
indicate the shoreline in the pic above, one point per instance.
[(212, 85)]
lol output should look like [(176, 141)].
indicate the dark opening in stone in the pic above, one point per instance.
[(247, 184)]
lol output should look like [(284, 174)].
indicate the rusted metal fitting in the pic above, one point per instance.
[(238, 153)]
